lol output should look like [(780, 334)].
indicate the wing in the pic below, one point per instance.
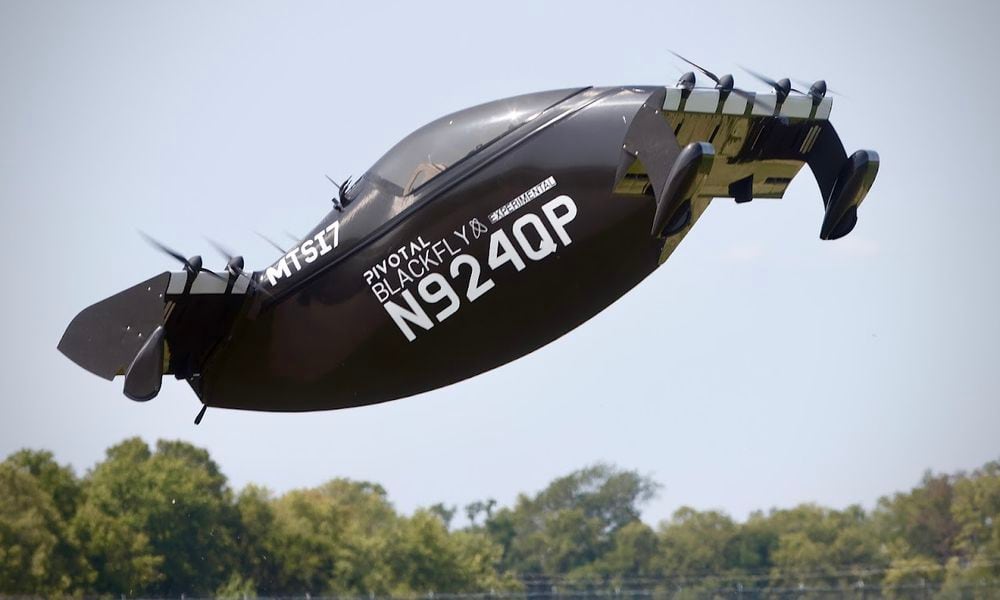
[(741, 147)]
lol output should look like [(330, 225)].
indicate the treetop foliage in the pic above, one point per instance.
[(165, 522)]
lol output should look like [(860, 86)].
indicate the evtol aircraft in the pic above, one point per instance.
[(477, 239)]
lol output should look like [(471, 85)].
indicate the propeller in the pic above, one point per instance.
[(718, 80), (273, 243), (782, 87), (235, 267), (687, 81), (234, 263), (818, 89), (725, 84), (192, 265), (341, 200)]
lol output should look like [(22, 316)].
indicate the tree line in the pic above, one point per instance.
[(165, 522)]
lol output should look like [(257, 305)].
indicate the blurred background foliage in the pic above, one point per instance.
[(164, 522)]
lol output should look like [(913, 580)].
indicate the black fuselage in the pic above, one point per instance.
[(477, 239), (326, 336)]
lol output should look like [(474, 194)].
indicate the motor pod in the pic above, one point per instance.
[(144, 375), (853, 182), (673, 203)]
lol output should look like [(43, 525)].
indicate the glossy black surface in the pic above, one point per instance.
[(477, 239), (332, 344)]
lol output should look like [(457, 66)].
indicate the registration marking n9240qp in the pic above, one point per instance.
[(436, 290)]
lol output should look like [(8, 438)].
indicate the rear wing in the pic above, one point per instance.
[(168, 324), (688, 146)]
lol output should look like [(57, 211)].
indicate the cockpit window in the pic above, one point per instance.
[(428, 151)]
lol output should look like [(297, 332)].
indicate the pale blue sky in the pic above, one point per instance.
[(759, 367)]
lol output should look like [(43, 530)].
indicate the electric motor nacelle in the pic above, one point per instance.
[(673, 206), (853, 182)]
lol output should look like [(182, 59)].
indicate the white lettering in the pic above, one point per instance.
[(278, 271), (546, 246), (500, 240), (402, 317), (444, 292), (535, 235), (415, 269), (559, 223), (475, 289), (404, 279), (308, 252), (380, 292), (335, 228)]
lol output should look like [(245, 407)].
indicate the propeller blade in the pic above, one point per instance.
[(342, 191), (213, 274), (707, 73), (760, 77), (225, 252), (808, 84), (345, 186), (165, 249), (338, 202), (272, 242), (234, 263), (295, 239), (677, 68), (192, 265), (782, 87)]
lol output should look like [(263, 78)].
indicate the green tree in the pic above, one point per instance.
[(425, 557), (571, 523), (921, 519), (633, 553), (164, 522), (160, 522), (237, 588), (976, 511), (820, 546), (258, 538), (38, 555), (445, 513), (754, 544), (694, 544), (59, 482), (474, 509), (905, 572), (333, 539)]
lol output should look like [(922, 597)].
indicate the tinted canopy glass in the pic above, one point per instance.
[(430, 150)]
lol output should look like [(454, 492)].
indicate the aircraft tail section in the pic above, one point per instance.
[(168, 324)]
